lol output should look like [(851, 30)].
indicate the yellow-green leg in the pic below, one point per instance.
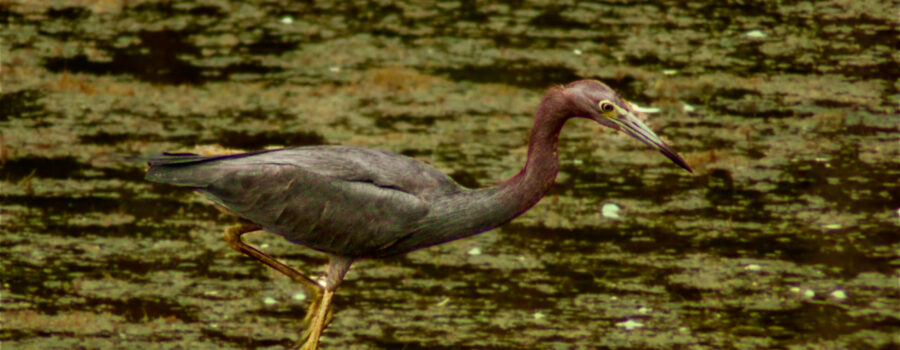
[(323, 316), (315, 314)]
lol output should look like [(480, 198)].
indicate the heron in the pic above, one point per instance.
[(357, 203)]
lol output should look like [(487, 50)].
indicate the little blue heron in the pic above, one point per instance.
[(358, 203)]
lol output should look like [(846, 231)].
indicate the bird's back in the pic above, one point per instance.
[(342, 200)]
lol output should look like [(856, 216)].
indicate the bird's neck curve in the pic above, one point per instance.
[(472, 212), (526, 188)]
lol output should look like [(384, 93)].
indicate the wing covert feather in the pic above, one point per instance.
[(321, 212), (341, 200)]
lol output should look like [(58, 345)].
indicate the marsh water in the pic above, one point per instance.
[(785, 236)]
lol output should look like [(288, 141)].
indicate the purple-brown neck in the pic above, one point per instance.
[(526, 188), (466, 212), (474, 211)]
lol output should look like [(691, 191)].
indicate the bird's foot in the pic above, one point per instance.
[(309, 320), (306, 344)]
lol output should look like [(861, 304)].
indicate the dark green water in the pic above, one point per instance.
[(785, 236)]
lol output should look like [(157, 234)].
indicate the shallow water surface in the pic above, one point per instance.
[(784, 237)]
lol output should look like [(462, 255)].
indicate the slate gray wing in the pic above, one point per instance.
[(334, 199)]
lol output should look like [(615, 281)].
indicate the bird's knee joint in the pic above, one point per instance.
[(233, 236)]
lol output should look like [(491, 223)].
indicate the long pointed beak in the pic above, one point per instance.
[(633, 126)]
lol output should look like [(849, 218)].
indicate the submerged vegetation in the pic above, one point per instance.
[(784, 237)]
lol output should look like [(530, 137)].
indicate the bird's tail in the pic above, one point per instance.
[(187, 169), (167, 158)]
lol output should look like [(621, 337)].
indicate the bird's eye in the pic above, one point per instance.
[(606, 106)]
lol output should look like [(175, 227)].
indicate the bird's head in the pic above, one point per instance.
[(596, 101)]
